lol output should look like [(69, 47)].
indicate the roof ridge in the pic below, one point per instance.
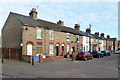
[(42, 20)]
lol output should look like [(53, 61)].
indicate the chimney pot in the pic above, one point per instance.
[(97, 33), (77, 27), (88, 30), (61, 23), (108, 36), (102, 34), (33, 13)]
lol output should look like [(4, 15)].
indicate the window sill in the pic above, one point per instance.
[(51, 39), (39, 38), (68, 40)]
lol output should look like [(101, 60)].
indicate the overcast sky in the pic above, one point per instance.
[(103, 16)]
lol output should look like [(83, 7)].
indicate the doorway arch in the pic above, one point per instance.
[(29, 47), (57, 49)]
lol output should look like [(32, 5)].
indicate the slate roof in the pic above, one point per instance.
[(46, 24), (50, 25), (113, 39), (26, 19)]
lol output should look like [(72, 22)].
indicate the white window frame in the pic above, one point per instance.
[(87, 41), (96, 40), (68, 36), (77, 36), (68, 48), (91, 40), (86, 48), (51, 49), (39, 30), (78, 47), (51, 34), (40, 45)]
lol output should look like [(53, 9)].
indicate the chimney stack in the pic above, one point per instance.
[(102, 34), (97, 33), (61, 23), (33, 13), (77, 27), (88, 30), (108, 36)]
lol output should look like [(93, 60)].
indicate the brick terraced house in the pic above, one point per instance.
[(34, 36), (115, 44), (109, 43), (118, 44)]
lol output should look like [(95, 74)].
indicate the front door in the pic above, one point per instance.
[(62, 50), (57, 50), (29, 49), (73, 49)]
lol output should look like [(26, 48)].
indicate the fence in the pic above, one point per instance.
[(11, 53)]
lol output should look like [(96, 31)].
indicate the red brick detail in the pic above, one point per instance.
[(39, 42), (30, 42), (63, 43), (51, 42), (57, 43), (73, 46), (68, 43), (81, 45)]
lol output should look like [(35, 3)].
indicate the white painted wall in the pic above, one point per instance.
[(85, 43), (101, 45)]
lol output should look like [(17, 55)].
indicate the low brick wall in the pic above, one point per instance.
[(51, 58), (27, 58)]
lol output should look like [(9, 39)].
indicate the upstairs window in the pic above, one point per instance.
[(39, 33), (77, 38), (68, 48), (68, 37), (51, 34), (91, 40), (87, 40), (96, 40)]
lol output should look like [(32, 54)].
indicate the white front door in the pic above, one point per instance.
[(29, 49)]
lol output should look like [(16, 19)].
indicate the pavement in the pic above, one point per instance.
[(106, 67)]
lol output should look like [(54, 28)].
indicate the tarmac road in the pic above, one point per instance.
[(106, 67)]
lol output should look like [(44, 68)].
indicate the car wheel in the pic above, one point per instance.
[(99, 56), (92, 58), (85, 59)]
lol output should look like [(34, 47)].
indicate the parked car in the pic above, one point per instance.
[(106, 53), (97, 54), (84, 55), (117, 52)]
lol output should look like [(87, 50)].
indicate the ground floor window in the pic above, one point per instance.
[(68, 47), (77, 48), (94, 48), (39, 48), (51, 49), (86, 48), (80, 48)]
